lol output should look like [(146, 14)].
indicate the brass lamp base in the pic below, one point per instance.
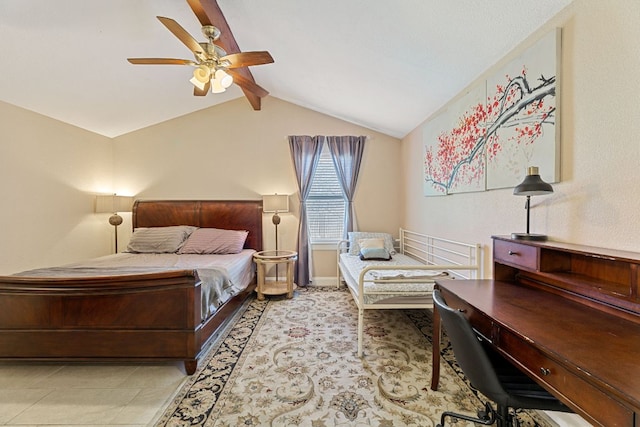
[(115, 220), (529, 236)]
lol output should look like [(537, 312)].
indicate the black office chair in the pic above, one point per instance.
[(490, 374)]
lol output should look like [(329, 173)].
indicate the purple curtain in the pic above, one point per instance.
[(305, 153), (346, 152)]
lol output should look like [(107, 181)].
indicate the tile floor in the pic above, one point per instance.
[(98, 395), (128, 395)]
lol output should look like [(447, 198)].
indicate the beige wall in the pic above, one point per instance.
[(53, 170), (232, 152), (50, 172), (596, 203)]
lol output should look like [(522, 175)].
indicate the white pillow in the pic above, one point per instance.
[(377, 243)]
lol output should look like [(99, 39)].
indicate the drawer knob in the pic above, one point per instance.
[(513, 253), (544, 371)]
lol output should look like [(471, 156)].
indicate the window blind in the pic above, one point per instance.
[(326, 202)]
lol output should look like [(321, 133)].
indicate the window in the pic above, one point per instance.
[(326, 202)]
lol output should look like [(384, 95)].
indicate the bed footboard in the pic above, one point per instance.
[(142, 317)]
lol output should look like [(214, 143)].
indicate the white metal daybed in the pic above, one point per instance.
[(405, 281)]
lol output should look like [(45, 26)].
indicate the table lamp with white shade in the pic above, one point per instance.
[(275, 203)]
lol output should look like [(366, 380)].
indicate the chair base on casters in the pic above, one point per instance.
[(486, 417), (502, 417)]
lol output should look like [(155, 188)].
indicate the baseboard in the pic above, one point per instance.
[(316, 281), (324, 281), (562, 419)]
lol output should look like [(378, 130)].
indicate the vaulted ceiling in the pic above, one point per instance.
[(385, 65)]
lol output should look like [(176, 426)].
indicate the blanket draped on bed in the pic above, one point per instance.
[(215, 284)]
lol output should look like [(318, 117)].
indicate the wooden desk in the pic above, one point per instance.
[(585, 352)]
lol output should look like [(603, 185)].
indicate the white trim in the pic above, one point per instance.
[(564, 419), (324, 281), (324, 246)]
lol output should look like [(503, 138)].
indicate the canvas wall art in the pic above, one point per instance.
[(522, 124), (453, 149), (488, 138), (466, 152), (434, 182)]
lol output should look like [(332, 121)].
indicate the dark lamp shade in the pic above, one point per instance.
[(532, 185)]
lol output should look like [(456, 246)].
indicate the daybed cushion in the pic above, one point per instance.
[(214, 241), (356, 236), (383, 291), (159, 239)]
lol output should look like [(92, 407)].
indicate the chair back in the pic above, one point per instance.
[(469, 352)]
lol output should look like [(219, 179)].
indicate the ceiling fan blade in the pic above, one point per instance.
[(247, 84), (246, 59), (182, 35), (202, 92), (160, 61), (209, 13), (199, 12)]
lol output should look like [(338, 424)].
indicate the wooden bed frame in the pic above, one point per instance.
[(145, 317)]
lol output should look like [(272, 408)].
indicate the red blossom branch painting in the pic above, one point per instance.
[(493, 140)]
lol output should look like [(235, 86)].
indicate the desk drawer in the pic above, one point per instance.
[(516, 254), (601, 408), (480, 322)]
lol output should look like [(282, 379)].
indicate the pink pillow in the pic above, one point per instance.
[(214, 241)]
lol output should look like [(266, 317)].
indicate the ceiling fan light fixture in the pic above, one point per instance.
[(216, 86), (201, 76), (211, 60), (225, 79), (210, 32), (197, 83)]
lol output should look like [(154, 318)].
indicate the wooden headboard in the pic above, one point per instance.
[(224, 214)]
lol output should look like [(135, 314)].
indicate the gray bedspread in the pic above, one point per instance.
[(62, 272), (216, 286)]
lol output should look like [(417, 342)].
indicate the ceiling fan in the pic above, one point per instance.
[(217, 65)]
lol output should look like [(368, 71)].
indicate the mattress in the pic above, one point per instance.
[(382, 287), (222, 276)]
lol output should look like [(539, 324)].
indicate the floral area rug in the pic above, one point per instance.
[(293, 362)]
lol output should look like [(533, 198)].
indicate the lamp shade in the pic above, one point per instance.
[(113, 203), (275, 203), (225, 79), (532, 185), (201, 76), (216, 86)]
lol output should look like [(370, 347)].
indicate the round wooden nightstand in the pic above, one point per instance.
[(278, 287)]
